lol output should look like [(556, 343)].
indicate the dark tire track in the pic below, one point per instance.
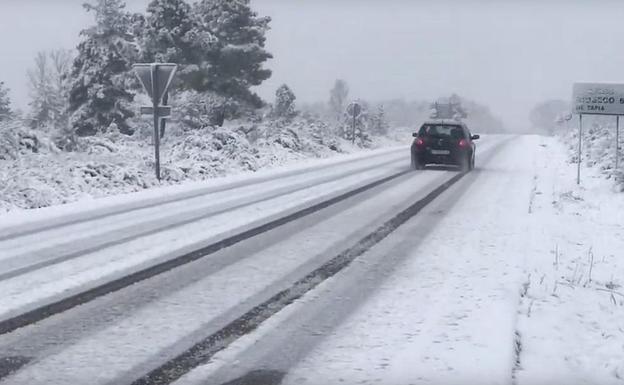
[(201, 352), (155, 226), (28, 229), (48, 310)]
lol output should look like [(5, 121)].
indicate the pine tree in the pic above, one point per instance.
[(165, 32), (379, 125), (284, 103), (170, 33), (237, 58), (356, 130), (338, 98), (5, 103), (362, 130), (99, 95)]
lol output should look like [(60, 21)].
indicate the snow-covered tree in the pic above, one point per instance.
[(48, 83), (238, 55), (337, 98), (166, 32), (378, 123), (284, 103), (356, 130), (5, 103), (171, 33), (99, 95), (40, 84)]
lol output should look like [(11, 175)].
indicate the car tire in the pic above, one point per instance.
[(416, 164), (465, 164)]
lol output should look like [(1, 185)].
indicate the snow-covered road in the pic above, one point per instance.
[(434, 303), (82, 252), (439, 300)]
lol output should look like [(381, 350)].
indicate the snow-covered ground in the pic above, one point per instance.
[(491, 284), (572, 303), (34, 173), (598, 146), (512, 276), (45, 264), (205, 303)]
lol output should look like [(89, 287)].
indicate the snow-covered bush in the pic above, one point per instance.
[(34, 173), (201, 110), (208, 152), (598, 145), (5, 103), (284, 106), (9, 144), (17, 140)]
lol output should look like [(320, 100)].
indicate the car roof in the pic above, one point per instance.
[(449, 122)]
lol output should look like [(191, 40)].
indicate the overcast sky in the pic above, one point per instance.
[(505, 54)]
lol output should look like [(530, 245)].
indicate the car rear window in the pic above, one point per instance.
[(442, 130)]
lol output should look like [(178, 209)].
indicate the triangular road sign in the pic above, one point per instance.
[(155, 77)]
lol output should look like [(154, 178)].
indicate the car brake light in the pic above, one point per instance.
[(463, 143), (420, 142)]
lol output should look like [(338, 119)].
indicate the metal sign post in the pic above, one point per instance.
[(354, 109), (598, 99), (163, 121), (156, 79), (580, 134), (155, 103), (353, 130), (617, 142)]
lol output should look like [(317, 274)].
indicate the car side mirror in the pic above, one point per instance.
[(475, 137), (415, 135)]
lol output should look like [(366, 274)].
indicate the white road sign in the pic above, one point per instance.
[(161, 111), (598, 98), (156, 79), (162, 72), (354, 109)]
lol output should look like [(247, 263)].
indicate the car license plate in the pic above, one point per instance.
[(440, 152)]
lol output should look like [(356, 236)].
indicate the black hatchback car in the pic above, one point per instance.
[(444, 142)]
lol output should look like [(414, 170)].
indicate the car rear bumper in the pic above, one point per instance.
[(455, 158)]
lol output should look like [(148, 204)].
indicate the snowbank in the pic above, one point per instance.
[(34, 173)]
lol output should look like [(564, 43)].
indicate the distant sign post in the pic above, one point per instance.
[(617, 142), (156, 79), (354, 110), (598, 99)]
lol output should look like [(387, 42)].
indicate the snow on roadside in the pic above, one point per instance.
[(33, 175), (598, 146), (531, 293), (570, 318)]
